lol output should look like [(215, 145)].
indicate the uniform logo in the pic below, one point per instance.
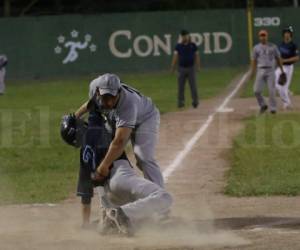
[(88, 156), (73, 44)]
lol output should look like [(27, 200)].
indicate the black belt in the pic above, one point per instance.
[(264, 67), (186, 67)]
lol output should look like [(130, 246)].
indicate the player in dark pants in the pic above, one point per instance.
[(187, 56), (94, 147)]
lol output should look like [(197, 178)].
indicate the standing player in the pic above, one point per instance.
[(187, 55), (3, 63), (265, 56), (135, 117), (289, 53)]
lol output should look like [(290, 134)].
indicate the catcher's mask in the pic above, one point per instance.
[(72, 130)]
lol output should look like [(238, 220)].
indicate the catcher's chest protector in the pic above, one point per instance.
[(96, 142)]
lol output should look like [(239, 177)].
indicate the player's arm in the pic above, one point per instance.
[(293, 59), (278, 59), (253, 62), (115, 150), (253, 68), (82, 110), (174, 61), (279, 63)]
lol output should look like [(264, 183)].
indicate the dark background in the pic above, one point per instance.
[(58, 7)]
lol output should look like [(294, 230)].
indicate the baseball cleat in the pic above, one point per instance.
[(106, 226), (263, 109), (118, 218), (195, 105), (165, 219), (287, 107)]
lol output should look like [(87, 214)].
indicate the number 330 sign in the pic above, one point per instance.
[(266, 21)]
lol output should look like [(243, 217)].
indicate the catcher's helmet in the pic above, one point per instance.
[(288, 29), (72, 130)]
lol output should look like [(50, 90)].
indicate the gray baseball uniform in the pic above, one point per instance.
[(3, 62), (265, 56), (139, 198), (138, 112)]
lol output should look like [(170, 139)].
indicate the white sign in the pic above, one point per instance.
[(140, 45), (145, 45), (73, 46), (266, 21)]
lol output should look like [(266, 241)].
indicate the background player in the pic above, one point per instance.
[(265, 56), (135, 117), (134, 198), (290, 55), (187, 56)]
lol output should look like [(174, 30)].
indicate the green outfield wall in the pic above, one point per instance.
[(134, 42)]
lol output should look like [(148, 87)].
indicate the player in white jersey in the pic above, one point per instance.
[(290, 55)]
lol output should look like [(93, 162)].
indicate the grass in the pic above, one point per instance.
[(294, 87), (35, 165), (265, 157)]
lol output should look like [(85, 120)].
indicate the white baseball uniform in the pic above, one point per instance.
[(287, 50)]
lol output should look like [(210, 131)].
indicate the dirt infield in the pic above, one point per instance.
[(203, 217)]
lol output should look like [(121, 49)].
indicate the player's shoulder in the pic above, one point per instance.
[(178, 46), (257, 46), (127, 96), (294, 45)]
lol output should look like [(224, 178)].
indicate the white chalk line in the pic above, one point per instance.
[(200, 132)]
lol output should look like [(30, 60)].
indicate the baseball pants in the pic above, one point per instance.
[(139, 198), (2, 77), (284, 90), (265, 76), (189, 74), (144, 139)]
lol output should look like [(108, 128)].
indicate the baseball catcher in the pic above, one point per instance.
[(127, 198)]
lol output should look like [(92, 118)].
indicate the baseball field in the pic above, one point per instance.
[(235, 188), (37, 165)]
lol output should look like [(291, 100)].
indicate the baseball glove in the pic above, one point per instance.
[(282, 79)]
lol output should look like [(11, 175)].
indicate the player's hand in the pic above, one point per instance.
[(103, 170), (97, 177)]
